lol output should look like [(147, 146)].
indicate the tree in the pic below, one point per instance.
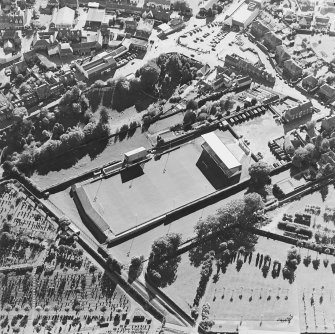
[(189, 118), (260, 173), (300, 157), (149, 75), (192, 104), (19, 113), (136, 267), (163, 261)]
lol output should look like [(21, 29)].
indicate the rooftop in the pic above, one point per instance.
[(95, 15), (221, 150)]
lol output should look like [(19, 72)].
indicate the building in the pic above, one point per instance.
[(271, 41), (44, 40), (246, 67), (73, 4), (328, 123), (144, 29), (69, 35), (139, 45), (259, 29), (65, 49), (298, 111), (130, 26), (64, 18), (124, 6), (309, 82), (173, 26), (292, 70), (20, 67), (102, 64), (90, 43), (215, 80), (95, 17), (16, 21), (163, 4), (322, 22), (221, 155), (245, 14), (326, 92), (13, 36), (206, 6), (281, 54)]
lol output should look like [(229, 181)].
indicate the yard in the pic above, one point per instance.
[(259, 131)]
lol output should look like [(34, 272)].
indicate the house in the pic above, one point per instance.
[(309, 82), (44, 40), (203, 71), (164, 4), (298, 111), (259, 29), (130, 26), (95, 17), (69, 35), (281, 54), (43, 91), (15, 21), (137, 44), (73, 4), (322, 22), (90, 43), (144, 29), (246, 67), (8, 47), (125, 6), (64, 18), (20, 67), (326, 92), (166, 29), (271, 40), (65, 49), (13, 36), (291, 69), (328, 122)]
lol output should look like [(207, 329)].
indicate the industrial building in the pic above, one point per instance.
[(101, 65), (64, 18), (95, 17), (244, 15), (221, 155)]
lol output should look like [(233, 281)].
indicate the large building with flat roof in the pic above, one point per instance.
[(102, 64), (221, 155)]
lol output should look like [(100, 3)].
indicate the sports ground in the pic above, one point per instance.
[(144, 192)]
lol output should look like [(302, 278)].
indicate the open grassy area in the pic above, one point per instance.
[(246, 294), (137, 194)]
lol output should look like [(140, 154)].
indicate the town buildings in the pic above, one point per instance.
[(291, 70), (297, 111), (100, 65), (64, 18)]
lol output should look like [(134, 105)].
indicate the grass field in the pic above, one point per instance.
[(247, 296), (139, 195)]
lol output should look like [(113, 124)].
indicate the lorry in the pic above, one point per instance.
[(135, 155)]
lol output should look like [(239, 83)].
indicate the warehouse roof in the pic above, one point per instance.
[(65, 17), (221, 150), (95, 15)]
